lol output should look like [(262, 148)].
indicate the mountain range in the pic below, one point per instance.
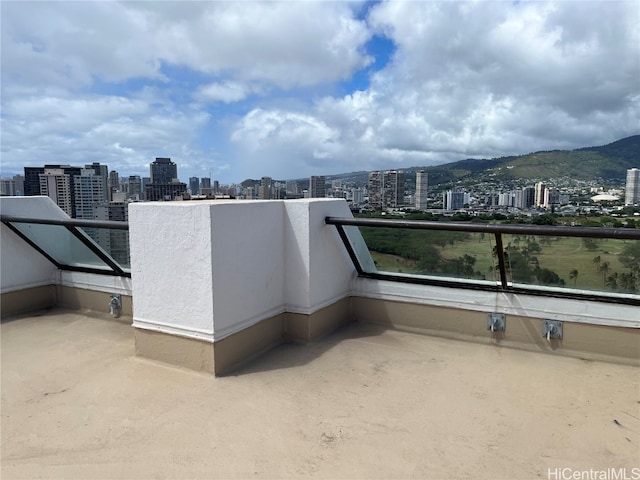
[(606, 163)]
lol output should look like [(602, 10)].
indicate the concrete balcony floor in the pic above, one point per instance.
[(365, 402)]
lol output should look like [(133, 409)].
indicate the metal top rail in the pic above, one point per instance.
[(545, 230), (74, 222)]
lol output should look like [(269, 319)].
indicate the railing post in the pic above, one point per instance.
[(501, 263), (350, 251)]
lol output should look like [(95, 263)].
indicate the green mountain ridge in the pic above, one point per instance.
[(607, 163)]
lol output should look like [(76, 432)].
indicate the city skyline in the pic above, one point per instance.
[(319, 88), (80, 191)]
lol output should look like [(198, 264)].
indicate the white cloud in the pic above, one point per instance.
[(283, 43), (227, 92), (250, 88), (282, 140), (123, 132)]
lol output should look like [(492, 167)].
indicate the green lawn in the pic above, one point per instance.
[(559, 254)]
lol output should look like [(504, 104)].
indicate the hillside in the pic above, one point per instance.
[(608, 162)]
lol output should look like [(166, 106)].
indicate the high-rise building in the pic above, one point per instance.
[(32, 180), (506, 199), (317, 186), (265, 188), (194, 185), (528, 197), (278, 190), (632, 190), (164, 185), (491, 199), (293, 187), (33, 183), (205, 182), (134, 190), (114, 183), (103, 171), (393, 188), (115, 242), (375, 185), (551, 198), (453, 201), (518, 198), (89, 192), (163, 170), (19, 182), (145, 181), (56, 184), (12, 186), (7, 186), (357, 195), (422, 183), (164, 192), (539, 194)]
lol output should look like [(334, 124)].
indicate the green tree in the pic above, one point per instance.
[(430, 260), (630, 256), (534, 247), (590, 244), (627, 282), (545, 276), (545, 219), (604, 268), (573, 275)]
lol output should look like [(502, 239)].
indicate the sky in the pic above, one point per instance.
[(237, 90)]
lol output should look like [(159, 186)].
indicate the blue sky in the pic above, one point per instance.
[(237, 90)]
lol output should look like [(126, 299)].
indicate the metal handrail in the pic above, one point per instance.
[(75, 222), (497, 230), (545, 230)]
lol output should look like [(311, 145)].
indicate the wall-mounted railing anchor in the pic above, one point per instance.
[(496, 322), (552, 329), (115, 305)]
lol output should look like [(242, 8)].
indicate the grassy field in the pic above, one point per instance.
[(559, 254)]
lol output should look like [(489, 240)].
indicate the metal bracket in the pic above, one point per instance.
[(496, 322), (551, 329), (115, 304)]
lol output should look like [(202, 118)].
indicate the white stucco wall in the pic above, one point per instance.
[(236, 263), (171, 267), (20, 265), (248, 263), (92, 281), (331, 269), (297, 285), (581, 311)]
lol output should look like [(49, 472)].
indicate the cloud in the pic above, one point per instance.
[(227, 92), (480, 80), (278, 137), (288, 89), (285, 44), (123, 132)]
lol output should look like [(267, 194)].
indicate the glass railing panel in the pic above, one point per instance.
[(113, 242), (64, 247), (429, 253), (592, 264)]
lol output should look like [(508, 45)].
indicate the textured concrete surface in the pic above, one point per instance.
[(363, 403)]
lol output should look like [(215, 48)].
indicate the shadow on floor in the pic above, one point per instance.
[(292, 355)]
